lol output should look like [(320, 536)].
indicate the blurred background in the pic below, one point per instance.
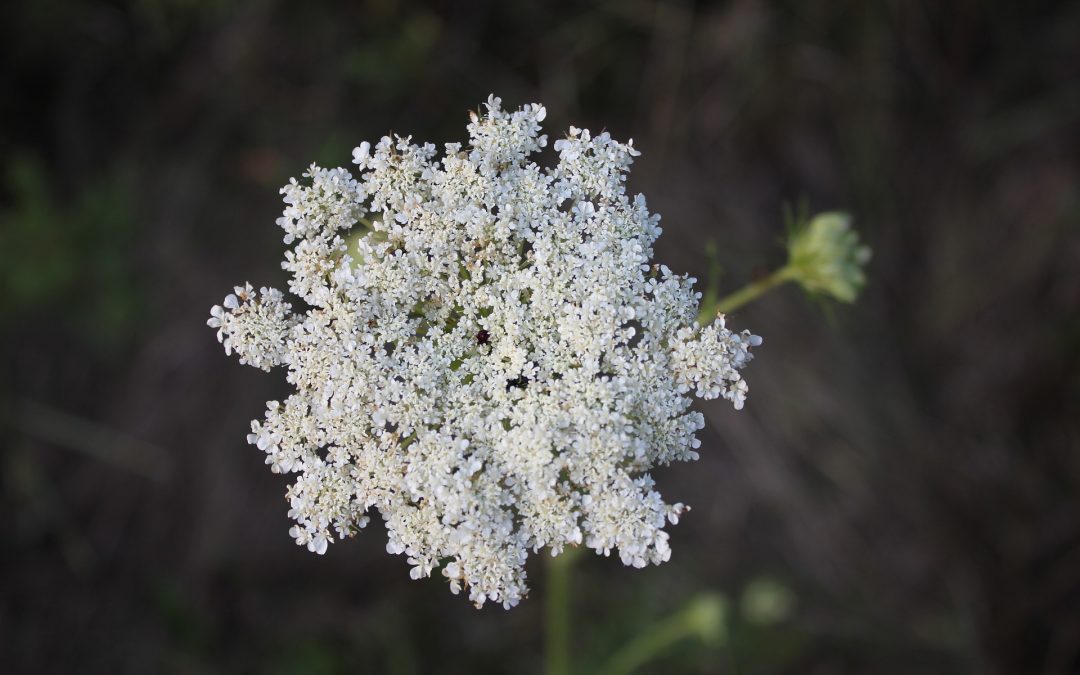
[(901, 494)]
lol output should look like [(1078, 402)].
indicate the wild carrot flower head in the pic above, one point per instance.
[(484, 354), (826, 258)]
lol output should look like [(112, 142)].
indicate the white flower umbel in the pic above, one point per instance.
[(490, 362)]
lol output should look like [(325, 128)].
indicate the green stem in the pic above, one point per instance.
[(703, 617), (745, 295), (557, 648)]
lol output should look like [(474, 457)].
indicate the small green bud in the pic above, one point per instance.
[(706, 616), (766, 602), (826, 258)]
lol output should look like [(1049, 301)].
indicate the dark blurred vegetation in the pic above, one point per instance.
[(906, 474)]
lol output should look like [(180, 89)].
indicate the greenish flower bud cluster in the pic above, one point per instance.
[(826, 258)]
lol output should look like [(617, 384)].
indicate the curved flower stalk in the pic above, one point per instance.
[(825, 258), (494, 366)]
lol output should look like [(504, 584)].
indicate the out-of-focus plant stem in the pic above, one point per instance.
[(744, 296), (704, 617), (557, 620), (748, 293)]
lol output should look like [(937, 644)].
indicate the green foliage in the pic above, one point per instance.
[(68, 255), (307, 658), (397, 55), (181, 619)]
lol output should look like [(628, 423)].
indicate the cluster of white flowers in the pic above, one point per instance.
[(490, 362)]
